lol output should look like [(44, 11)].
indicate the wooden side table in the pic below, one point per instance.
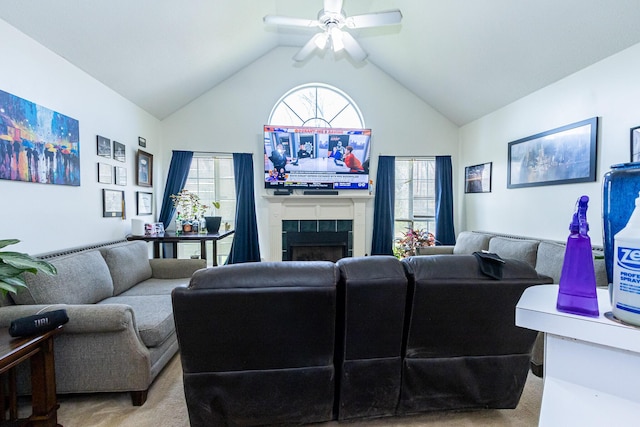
[(38, 349)]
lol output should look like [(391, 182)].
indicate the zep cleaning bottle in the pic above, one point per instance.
[(626, 270)]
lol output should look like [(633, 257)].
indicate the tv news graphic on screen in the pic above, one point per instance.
[(316, 158)]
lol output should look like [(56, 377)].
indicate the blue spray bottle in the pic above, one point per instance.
[(577, 294)]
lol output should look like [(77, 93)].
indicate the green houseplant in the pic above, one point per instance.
[(13, 264), (213, 222)]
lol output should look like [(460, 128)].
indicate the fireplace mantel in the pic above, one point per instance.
[(316, 207)]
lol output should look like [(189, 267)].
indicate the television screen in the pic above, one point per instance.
[(316, 158)]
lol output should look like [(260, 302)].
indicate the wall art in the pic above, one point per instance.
[(112, 203), (144, 169), (477, 178), (37, 144), (104, 173), (145, 206), (119, 152), (104, 146), (563, 155), (635, 144), (120, 174), (142, 142)]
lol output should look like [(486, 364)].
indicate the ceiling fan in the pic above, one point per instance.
[(334, 25)]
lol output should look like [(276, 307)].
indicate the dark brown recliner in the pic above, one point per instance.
[(462, 348), (371, 299), (257, 343)]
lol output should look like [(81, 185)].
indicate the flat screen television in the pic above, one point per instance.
[(316, 158)]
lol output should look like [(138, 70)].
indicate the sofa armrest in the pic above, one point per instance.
[(435, 250), (171, 268), (83, 318)]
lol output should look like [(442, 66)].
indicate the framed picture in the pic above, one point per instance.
[(564, 155), (477, 178), (119, 152), (104, 146), (635, 144), (104, 173), (142, 142), (120, 175), (112, 203), (144, 169), (145, 200)]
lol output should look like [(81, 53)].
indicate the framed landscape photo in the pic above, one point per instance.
[(120, 175), (144, 169), (112, 203), (119, 151), (144, 203), (104, 146), (635, 144), (104, 173), (477, 178), (564, 155)]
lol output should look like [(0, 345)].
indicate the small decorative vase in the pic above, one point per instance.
[(620, 189), (213, 223)]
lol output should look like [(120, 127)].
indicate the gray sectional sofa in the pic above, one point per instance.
[(121, 331), (546, 256)]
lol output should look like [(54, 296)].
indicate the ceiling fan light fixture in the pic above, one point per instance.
[(336, 39), (321, 40)]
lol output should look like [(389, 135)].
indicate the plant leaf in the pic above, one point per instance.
[(8, 242), (26, 263)]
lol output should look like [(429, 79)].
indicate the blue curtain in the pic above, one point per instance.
[(245, 246), (383, 213), (445, 233), (176, 178)]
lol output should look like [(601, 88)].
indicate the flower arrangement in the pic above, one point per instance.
[(412, 239), (188, 204)]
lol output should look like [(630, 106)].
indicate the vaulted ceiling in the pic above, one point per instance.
[(465, 58)]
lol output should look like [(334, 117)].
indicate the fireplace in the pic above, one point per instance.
[(316, 240)]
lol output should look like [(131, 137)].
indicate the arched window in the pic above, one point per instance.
[(316, 105)]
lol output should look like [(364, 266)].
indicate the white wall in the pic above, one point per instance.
[(610, 90), (50, 217), (229, 117)]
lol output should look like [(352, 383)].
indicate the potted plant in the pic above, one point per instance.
[(189, 209), (13, 264), (213, 222), (412, 239)]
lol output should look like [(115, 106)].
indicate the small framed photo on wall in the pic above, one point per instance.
[(635, 144), (145, 200), (104, 173), (104, 147), (120, 175), (112, 203), (144, 169), (477, 178), (119, 152)]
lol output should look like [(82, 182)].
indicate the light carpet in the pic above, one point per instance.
[(166, 406)]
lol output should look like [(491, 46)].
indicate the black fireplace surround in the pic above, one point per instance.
[(272, 343)]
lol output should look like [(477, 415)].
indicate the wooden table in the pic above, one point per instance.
[(173, 239), (38, 349)]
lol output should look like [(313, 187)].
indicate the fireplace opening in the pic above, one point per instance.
[(319, 246)]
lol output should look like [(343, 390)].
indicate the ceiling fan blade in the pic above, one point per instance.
[(333, 6), (309, 47), (353, 47), (291, 22), (374, 19)]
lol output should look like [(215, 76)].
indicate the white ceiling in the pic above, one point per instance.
[(465, 58)]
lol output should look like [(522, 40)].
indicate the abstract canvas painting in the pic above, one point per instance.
[(37, 144)]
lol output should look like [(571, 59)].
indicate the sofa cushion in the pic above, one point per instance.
[(128, 264), (153, 316), (550, 259), (469, 242), (520, 249), (82, 278), (156, 286)]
